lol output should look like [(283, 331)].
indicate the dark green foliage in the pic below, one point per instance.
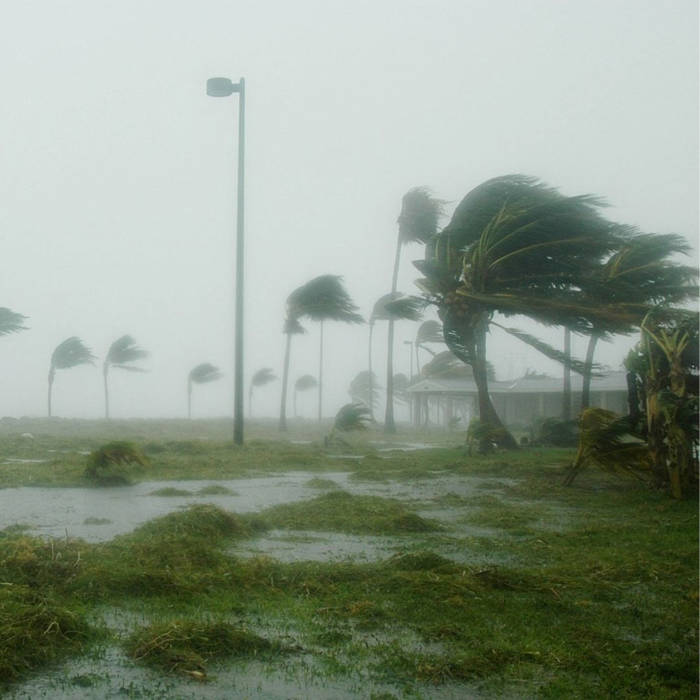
[(263, 376), (352, 416), (186, 646), (396, 306), (123, 352), (553, 432), (106, 465), (483, 438), (420, 215), (204, 373), (10, 321), (71, 353), (323, 298)]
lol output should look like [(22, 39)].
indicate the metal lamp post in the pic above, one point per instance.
[(223, 87)]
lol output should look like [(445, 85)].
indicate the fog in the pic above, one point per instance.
[(118, 172)]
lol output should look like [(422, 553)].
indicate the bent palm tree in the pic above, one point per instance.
[(10, 321), (392, 307), (323, 298), (260, 378), (70, 353), (515, 246), (304, 383), (201, 374), (640, 272), (418, 223), (121, 354)]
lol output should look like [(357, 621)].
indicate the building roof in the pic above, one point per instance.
[(611, 381)]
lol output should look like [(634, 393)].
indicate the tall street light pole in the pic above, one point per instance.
[(223, 87)]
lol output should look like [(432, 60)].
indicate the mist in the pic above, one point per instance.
[(118, 172)]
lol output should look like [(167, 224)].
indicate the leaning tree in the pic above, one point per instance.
[(11, 321), (321, 299), (392, 307), (122, 354), (72, 352), (201, 374), (516, 247)]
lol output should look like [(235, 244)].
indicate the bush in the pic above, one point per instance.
[(109, 465)]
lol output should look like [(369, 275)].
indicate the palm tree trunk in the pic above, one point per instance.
[(566, 406), (295, 402), (487, 412), (105, 370), (369, 377), (189, 399), (285, 378), (320, 375), (51, 376), (588, 371), (250, 401), (389, 425)]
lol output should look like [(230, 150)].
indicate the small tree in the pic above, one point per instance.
[(201, 374), (364, 389), (122, 353), (70, 353)]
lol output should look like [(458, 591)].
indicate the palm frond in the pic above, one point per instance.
[(429, 332), (205, 372), (549, 351), (124, 351), (397, 307), (10, 321), (323, 298), (71, 353), (420, 215), (352, 416), (305, 382), (446, 365), (263, 376), (131, 368)]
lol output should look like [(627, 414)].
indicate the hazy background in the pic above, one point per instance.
[(117, 172)]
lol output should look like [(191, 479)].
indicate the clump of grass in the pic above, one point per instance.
[(109, 465), (186, 646), (340, 511), (216, 490), (170, 491), (35, 631), (418, 561)]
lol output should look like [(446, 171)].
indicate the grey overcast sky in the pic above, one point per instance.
[(117, 172)]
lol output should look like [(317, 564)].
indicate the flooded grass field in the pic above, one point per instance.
[(285, 570)]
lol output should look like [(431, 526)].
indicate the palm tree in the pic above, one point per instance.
[(323, 298), (364, 389), (260, 378), (304, 383), (392, 307), (351, 417), (418, 222), (515, 246), (638, 272), (121, 354), (10, 321), (70, 353), (201, 374)]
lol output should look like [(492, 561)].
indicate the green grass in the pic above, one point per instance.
[(594, 593)]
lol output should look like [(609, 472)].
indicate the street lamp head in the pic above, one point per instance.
[(221, 87)]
